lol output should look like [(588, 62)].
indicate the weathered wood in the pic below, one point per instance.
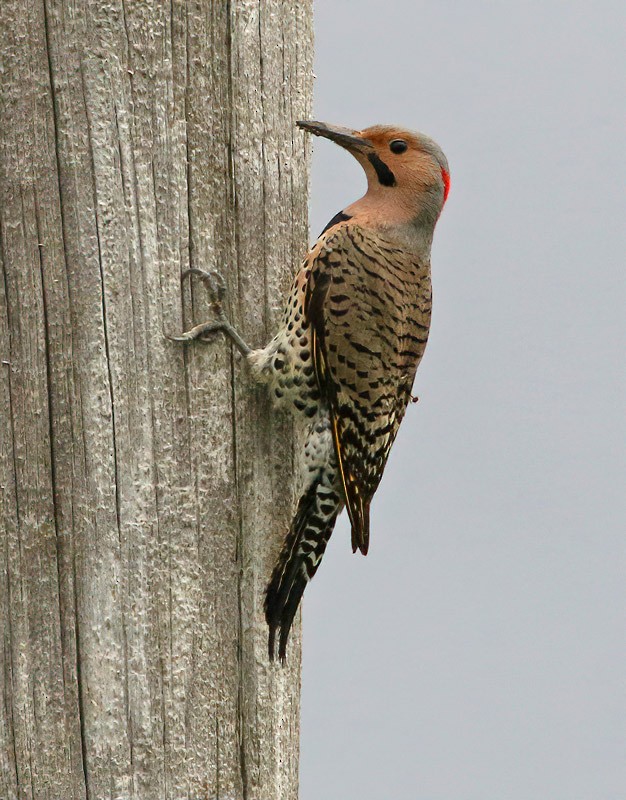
[(144, 488)]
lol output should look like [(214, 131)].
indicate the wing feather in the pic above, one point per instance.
[(368, 305)]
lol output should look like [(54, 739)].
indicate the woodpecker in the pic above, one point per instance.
[(353, 332)]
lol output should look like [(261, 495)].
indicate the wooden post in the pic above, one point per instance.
[(145, 488)]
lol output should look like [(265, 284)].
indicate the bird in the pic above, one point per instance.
[(344, 357)]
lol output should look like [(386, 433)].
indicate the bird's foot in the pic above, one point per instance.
[(217, 290)]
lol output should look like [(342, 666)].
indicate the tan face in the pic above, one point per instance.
[(400, 159), (407, 173)]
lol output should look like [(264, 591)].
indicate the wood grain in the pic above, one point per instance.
[(144, 488)]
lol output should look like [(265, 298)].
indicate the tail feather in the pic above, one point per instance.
[(361, 528), (299, 559)]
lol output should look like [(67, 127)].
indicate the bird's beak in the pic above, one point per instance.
[(351, 140)]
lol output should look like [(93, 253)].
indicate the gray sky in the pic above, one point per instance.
[(479, 652)]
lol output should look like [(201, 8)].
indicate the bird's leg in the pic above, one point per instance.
[(217, 289)]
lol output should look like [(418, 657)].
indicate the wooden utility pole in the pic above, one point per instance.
[(144, 488)]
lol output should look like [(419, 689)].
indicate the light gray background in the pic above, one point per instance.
[(479, 652)]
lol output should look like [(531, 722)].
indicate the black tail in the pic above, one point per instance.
[(299, 559)]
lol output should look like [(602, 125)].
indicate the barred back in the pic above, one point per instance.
[(368, 303)]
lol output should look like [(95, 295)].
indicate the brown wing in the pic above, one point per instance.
[(368, 304)]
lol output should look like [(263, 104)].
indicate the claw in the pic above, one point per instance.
[(216, 286), (214, 282), (198, 331)]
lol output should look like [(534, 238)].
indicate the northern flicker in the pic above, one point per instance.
[(353, 332)]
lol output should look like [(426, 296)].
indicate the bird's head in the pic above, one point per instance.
[(408, 177)]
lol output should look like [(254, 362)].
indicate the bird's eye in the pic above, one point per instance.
[(398, 146)]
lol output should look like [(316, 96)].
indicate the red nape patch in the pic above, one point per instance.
[(446, 184)]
